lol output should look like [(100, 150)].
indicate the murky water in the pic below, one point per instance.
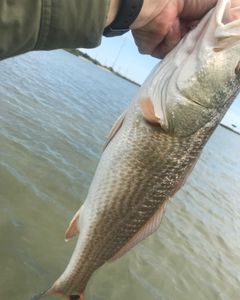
[(55, 112)]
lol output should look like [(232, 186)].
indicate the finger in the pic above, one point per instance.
[(148, 38), (196, 9), (147, 41), (171, 40), (151, 35)]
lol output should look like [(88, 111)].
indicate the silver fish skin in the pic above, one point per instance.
[(155, 145)]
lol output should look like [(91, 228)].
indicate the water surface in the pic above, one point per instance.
[(56, 111)]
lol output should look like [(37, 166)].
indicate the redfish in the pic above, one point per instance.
[(153, 147)]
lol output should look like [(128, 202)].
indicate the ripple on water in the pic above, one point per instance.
[(54, 122)]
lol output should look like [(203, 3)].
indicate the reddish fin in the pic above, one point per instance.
[(148, 111), (116, 126), (73, 228), (150, 226)]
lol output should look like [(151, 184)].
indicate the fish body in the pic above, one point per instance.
[(137, 173), (154, 146)]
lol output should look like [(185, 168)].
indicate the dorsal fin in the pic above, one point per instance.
[(115, 128), (148, 228)]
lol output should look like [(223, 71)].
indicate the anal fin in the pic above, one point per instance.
[(148, 228), (73, 228)]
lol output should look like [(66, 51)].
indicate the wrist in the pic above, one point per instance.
[(112, 11), (123, 13)]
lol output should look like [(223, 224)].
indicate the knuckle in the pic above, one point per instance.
[(143, 50)]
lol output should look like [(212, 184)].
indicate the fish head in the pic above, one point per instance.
[(197, 81)]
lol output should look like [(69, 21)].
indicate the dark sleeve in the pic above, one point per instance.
[(50, 24)]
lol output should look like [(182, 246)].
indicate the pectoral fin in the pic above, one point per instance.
[(148, 111), (150, 226), (73, 228)]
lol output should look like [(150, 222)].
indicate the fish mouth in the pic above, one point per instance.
[(229, 11), (228, 24)]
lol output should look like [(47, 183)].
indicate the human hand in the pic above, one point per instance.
[(162, 23)]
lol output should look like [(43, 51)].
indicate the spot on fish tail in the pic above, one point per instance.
[(74, 297)]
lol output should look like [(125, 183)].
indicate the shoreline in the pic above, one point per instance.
[(79, 53), (85, 56)]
